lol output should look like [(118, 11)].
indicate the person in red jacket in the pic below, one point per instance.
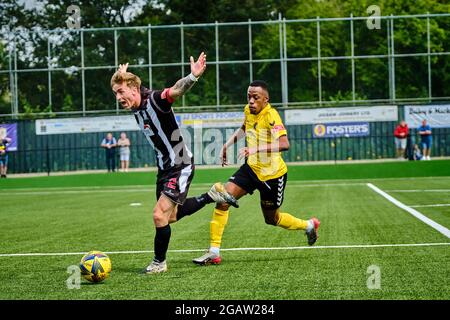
[(401, 133)]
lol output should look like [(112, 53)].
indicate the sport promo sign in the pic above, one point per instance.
[(338, 115), (128, 123), (211, 119)]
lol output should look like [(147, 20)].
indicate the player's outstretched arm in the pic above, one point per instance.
[(184, 84)]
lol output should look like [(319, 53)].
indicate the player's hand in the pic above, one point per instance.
[(123, 68), (223, 156), (199, 66)]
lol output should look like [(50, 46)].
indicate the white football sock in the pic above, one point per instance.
[(215, 250), (310, 225)]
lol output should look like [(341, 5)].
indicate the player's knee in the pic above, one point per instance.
[(270, 212), (158, 216)]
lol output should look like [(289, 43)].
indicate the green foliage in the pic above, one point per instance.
[(35, 112), (5, 97), (68, 103)]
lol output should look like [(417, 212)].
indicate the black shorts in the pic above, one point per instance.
[(271, 191), (174, 183)]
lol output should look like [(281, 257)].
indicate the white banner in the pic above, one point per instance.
[(82, 125), (128, 123), (437, 116), (337, 115)]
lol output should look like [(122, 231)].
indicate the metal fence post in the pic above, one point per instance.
[(319, 62), (49, 66), (335, 149), (11, 83), (16, 86), (183, 98), (250, 49), (352, 46), (150, 79), (217, 66), (393, 59), (286, 87), (83, 86), (282, 71), (116, 62), (48, 160), (430, 93), (388, 37)]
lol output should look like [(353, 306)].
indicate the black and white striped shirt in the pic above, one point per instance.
[(157, 121)]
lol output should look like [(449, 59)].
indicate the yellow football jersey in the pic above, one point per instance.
[(261, 129)]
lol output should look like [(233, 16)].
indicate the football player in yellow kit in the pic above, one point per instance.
[(264, 169)]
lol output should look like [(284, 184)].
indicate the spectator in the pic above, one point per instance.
[(4, 141), (110, 144), (417, 153), (401, 134), (425, 139), (124, 151)]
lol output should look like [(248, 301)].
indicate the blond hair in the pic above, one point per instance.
[(130, 79)]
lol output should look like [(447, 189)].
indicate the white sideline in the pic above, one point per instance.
[(237, 249), (412, 211), (431, 205)]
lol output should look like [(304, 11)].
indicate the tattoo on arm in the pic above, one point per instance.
[(181, 87)]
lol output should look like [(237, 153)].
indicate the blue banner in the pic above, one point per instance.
[(9, 130), (346, 129)]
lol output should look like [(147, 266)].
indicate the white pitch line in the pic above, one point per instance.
[(412, 211), (149, 189), (237, 249), (431, 205), (423, 190)]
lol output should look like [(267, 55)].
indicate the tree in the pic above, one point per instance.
[(5, 94), (372, 75)]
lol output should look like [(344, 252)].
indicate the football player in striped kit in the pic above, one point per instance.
[(155, 117)]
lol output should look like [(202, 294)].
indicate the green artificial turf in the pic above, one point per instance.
[(72, 215)]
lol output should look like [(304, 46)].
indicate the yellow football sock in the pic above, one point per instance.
[(216, 227), (288, 221)]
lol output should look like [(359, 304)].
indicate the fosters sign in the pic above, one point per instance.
[(330, 130)]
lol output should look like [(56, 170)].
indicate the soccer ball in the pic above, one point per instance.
[(95, 266)]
